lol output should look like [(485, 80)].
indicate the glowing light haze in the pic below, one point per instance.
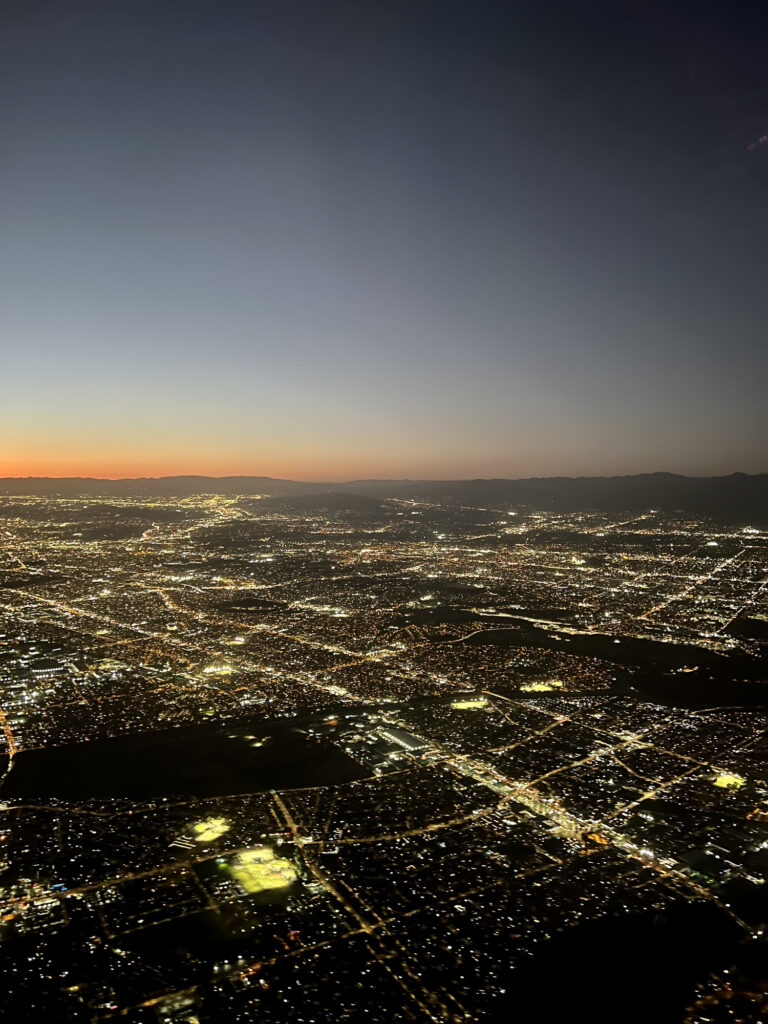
[(428, 239)]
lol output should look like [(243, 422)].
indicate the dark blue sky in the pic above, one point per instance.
[(328, 239)]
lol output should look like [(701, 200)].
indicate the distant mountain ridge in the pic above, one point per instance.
[(738, 498)]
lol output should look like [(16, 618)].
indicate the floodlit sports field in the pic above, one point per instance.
[(545, 687), (727, 780), (259, 870), (210, 829)]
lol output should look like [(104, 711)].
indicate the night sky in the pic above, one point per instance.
[(331, 240)]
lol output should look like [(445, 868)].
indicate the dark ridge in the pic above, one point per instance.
[(739, 498)]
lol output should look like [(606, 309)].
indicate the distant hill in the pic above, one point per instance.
[(738, 498)]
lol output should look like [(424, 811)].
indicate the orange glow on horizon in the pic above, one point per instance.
[(308, 457), (119, 470), (301, 454), (312, 462), (324, 468)]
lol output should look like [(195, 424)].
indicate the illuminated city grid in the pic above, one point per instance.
[(514, 694)]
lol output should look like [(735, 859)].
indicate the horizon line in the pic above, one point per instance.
[(385, 479)]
